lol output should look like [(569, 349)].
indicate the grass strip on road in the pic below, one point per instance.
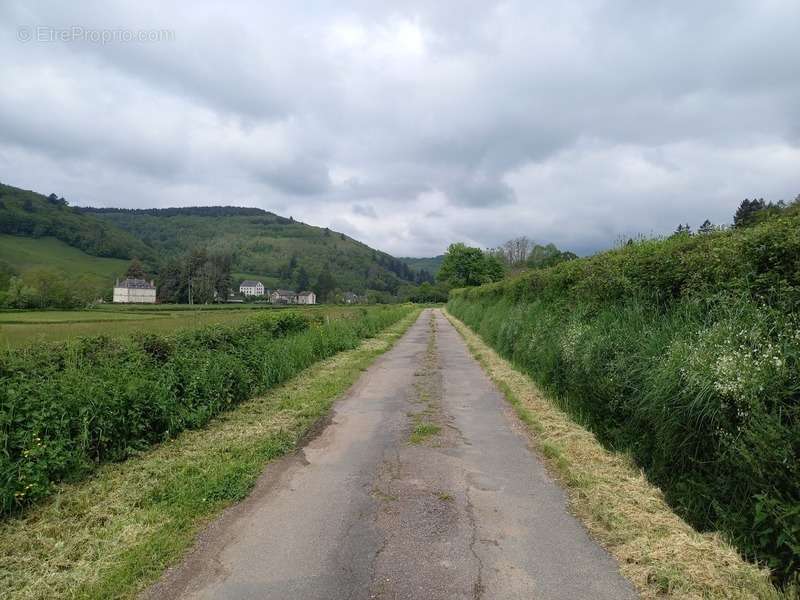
[(111, 536), (657, 551)]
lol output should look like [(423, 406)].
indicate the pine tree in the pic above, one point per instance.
[(135, 270), (325, 284), (746, 213), (302, 279)]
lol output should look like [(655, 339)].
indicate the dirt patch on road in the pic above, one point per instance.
[(424, 509), (429, 425)]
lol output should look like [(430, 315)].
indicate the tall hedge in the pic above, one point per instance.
[(65, 408), (684, 352)]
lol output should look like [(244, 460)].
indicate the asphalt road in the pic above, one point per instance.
[(369, 509)]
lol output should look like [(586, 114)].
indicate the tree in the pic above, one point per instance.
[(542, 257), (302, 279), (135, 270), (20, 295), (325, 284), (464, 266), (197, 276), (746, 213), (682, 229), (706, 227), (516, 251), (494, 268), (6, 273)]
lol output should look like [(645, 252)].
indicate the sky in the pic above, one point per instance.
[(410, 125)]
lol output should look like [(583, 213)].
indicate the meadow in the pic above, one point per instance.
[(683, 353), (19, 328), (24, 253)]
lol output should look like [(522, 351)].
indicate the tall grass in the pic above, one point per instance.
[(699, 381), (64, 408)]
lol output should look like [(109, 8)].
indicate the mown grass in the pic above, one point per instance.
[(656, 550), (111, 536)]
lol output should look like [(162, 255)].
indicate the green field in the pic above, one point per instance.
[(23, 328), (24, 253)]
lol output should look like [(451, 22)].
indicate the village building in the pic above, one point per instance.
[(251, 288), (134, 291), (350, 298), (283, 297), (291, 297), (306, 298)]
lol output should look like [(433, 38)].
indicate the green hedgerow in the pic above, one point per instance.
[(64, 408), (684, 352)]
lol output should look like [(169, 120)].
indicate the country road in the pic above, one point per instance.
[(422, 486)]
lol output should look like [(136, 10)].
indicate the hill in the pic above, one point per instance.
[(280, 251), (26, 213), (431, 264), (277, 250), (25, 253)]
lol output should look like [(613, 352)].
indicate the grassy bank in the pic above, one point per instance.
[(65, 408), (685, 354), (655, 549), (110, 536)]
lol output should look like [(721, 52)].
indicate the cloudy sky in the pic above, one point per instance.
[(410, 124)]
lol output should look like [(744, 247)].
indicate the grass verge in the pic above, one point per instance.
[(111, 536), (657, 551)]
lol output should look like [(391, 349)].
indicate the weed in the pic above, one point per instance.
[(422, 431)]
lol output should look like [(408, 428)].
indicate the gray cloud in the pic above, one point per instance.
[(410, 126), (365, 210)]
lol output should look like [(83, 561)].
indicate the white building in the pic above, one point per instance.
[(135, 291), (306, 298), (251, 288)]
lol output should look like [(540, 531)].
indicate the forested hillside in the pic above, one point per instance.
[(277, 250), (27, 213), (428, 264), (249, 242), (685, 352)]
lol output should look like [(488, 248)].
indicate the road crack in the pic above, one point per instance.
[(477, 588)]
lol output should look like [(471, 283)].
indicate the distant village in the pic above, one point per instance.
[(250, 288), (141, 291)]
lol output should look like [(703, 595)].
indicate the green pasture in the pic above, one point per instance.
[(23, 328)]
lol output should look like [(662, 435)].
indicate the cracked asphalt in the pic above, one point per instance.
[(369, 510)]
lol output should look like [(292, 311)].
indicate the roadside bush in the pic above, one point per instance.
[(686, 354), (65, 408)]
